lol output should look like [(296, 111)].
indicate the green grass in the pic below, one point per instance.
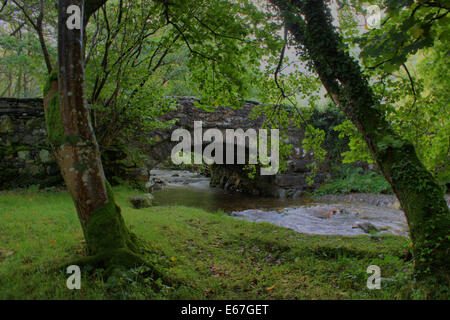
[(212, 255)]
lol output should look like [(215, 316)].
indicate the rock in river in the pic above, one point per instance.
[(366, 227)]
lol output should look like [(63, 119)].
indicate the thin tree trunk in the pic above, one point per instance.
[(310, 23), (19, 83), (40, 32)]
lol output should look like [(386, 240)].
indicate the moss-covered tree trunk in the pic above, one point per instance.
[(310, 23), (76, 150)]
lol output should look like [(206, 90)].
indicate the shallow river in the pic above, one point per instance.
[(304, 215)]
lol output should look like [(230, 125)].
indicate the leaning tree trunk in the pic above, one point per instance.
[(76, 150), (310, 23)]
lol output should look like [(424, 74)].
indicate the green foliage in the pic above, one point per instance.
[(422, 120), (312, 143), (352, 179), (408, 61), (22, 72), (22, 67), (409, 26), (158, 49), (358, 147), (327, 117), (126, 71)]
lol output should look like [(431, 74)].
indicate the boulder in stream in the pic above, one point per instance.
[(366, 227), (155, 184)]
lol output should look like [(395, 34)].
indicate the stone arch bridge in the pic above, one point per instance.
[(25, 156), (290, 183)]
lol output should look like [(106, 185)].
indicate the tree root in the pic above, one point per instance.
[(123, 259)]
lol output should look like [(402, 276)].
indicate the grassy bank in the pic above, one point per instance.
[(347, 179), (212, 255)]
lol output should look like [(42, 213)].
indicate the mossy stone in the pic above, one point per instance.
[(140, 202), (6, 125), (45, 156), (23, 155)]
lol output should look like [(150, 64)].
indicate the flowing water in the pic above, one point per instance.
[(304, 215)]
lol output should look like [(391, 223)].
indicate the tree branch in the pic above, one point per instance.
[(181, 32), (90, 7), (280, 63)]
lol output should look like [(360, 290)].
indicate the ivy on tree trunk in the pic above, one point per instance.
[(310, 23)]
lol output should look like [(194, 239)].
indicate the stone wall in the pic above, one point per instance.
[(25, 156)]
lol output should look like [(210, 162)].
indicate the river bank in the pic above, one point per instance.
[(211, 256)]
